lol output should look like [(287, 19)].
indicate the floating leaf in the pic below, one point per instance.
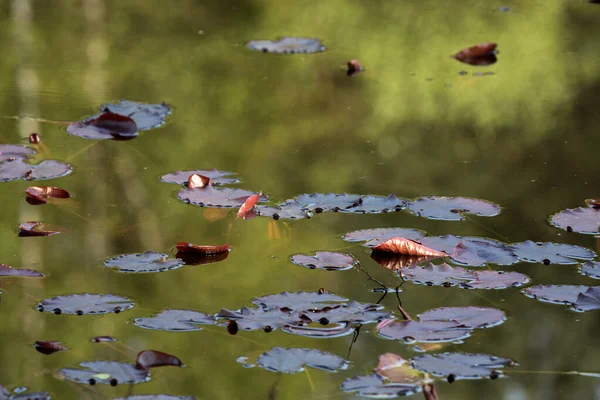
[(193, 258), (103, 339), (287, 45), (198, 181), (216, 177), (289, 361), (298, 300), (107, 125), (176, 321), (7, 270), (286, 210), (349, 203), (251, 319), (31, 228), (151, 359), (211, 197), (85, 303), (107, 372), (470, 317), (17, 168), (375, 386), (452, 208), (461, 365), (550, 253), (398, 245), (395, 262), (584, 220), (378, 235), (557, 294), (325, 260), (588, 300), (353, 67), (497, 280), (47, 347), (149, 261), (591, 269), (353, 312), (186, 247), (477, 253), (41, 194), (248, 205), (424, 331), (481, 54)]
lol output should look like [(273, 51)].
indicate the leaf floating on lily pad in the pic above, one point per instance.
[(85, 303), (481, 54), (219, 198), (32, 228), (198, 181), (551, 253), (251, 319), (398, 245), (376, 386), (103, 339), (156, 397), (424, 331), (287, 45), (289, 361), (398, 370), (176, 321), (325, 260), (248, 207), (149, 261), (41, 194), (452, 208), (591, 269), (557, 294), (471, 317), (216, 177), (299, 300), (7, 270), (107, 372), (147, 359), (47, 347), (461, 365), (378, 235), (584, 220)]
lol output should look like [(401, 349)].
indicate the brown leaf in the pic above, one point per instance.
[(354, 67), (248, 205), (186, 247), (40, 194), (35, 138), (198, 181), (430, 392), (152, 358), (408, 247), (397, 369), (481, 54), (117, 123), (30, 228), (47, 347)]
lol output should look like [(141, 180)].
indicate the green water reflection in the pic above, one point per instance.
[(525, 137)]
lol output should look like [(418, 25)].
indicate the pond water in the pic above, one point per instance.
[(521, 133)]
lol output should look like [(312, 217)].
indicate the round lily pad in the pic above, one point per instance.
[(287, 210), (289, 361), (378, 235), (470, 317), (452, 208), (287, 45), (299, 300), (488, 279), (7, 270), (550, 253), (557, 294), (424, 331), (376, 387), (584, 220), (18, 168), (176, 321), (437, 275), (349, 203), (85, 303), (211, 197), (325, 260), (216, 177), (107, 372), (251, 319), (353, 312), (12, 150), (149, 261), (591, 269), (460, 365)]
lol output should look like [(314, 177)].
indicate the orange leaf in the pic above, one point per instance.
[(198, 181), (248, 205), (409, 247)]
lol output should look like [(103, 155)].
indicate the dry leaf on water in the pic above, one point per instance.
[(408, 247)]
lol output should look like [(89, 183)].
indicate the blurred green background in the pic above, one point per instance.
[(525, 137)]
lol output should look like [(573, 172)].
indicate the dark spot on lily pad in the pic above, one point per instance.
[(584, 220), (444, 208), (250, 319), (85, 303), (461, 365), (287, 45), (176, 321), (104, 372), (289, 361)]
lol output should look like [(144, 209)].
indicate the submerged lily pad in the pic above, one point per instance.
[(349, 203), (376, 386), (17, 168), (85, 303), (584, 220), (149, 261), (176, 321), (591, 269), (425, 331), (107, 372), (211, 197), (216, 177), (289, 361), (461, 365), (471, 317), (299, 300), (7, 270), (287, 45), (378, 235), (325, 260), (452, 208), (251, 319), (550, 253)]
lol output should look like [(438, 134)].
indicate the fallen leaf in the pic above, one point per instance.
[(248, 205), (408, 247), (40, 194), (481, 54), (354, 67), (186, 247), (151, 358), (198, 181), (31, 228), (48, 347)]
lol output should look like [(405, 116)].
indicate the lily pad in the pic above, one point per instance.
[(339, 330), (149, 261), (591, 269), (452, 208), (146, 116), (588, 300), (470, 317), (299, 300), (325, 260), (378, 235), (350, 203), (584, 220), (557, 294), (211, 197), (156, 397), (461, 365), (107, 372), (216, 177), (13, 150), (287, 45), (251, 319), (378, 387), (85, 303), (497, 280), (550, 253), (176, 321), (476, 253), (424, 331), (7, 270), (6, 395), (289, 361), (17, 168), (286, 210), (353, 312)]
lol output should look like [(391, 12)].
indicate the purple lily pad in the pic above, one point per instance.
[(6, 395), (461, 365), (588, 300), (176, 321), (550, 253), (286, 210), (287, 45), (353, 312), (375, 386), (425, 331), (557, 294), (591, 269), (325, 260), (7, 270), (497, 280), (107, 372), (299, 300), (85, 303), (437, 275), (17, 168), (478, 253), (149, 261), (8, 151), (219, 198), (251, 319), (349, 203), (336, 331), (216, 177), (156, 397), (289, 361), (584, 220), (470, 317), (452, 208), (379, 235)]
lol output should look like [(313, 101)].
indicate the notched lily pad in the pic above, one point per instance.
[(107, 372), (216, 177), (251, 319), (477, 253), (7, 270), (299, 300), (149, 261), (85, 303), (378, 387), (461, 365), (424, 331), (470, 317), (378, 235), (584, 220), (212, 197), (287, 45), (286, 210), (452, 208), (349, 203), (591, 269), (550, 253), (17, 168), (289, 361), (557, 294), (32, 228), (329, 261), (176, 321)]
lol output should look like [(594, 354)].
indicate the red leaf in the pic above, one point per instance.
[(354, 67), (198, 181), (31, 229), (248, 205), (47, 347), (117, 123), (481, 54), (152, 358), (186, 247), (40, 194), (409, 247)]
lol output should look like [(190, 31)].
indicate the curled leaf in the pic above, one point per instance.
[(151, 358), (40, 194), (31, 228), (481, 54), (47, 347), (248, 205), (186, 247), (353, 67), (407, 247)]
